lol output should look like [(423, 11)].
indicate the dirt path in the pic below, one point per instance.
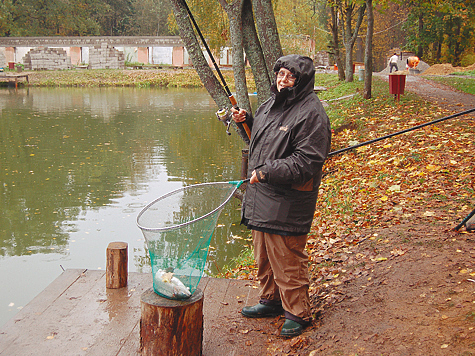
[(418, 301), (416, 297), (437, 93), (408, 289)]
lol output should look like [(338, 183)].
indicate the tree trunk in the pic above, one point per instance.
[(457, 48), (262, 51), (171, 327), (439, 51), (255, 55), (234, 12), (368, 55), (420, 50), (336, 42), (209, 80), (349, 36), (117, 265), (268, 34)]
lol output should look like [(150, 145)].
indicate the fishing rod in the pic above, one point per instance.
[(407, 130), (400, 132), (224, 114), (467, 218)]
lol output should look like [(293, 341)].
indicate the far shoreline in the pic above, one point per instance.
[(186, 77)]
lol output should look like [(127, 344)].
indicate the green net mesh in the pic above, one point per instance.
[(177, 228)]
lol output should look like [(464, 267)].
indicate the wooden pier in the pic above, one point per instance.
[(13, 77), (77, 315), (318, 89)]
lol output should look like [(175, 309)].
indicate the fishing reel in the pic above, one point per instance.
[(225, 116)]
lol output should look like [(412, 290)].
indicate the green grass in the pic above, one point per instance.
[(352, 110), (335, 88), (466, 85), (468, 72), (242, 264)]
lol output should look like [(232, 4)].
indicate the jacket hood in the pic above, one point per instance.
[(303, 68)]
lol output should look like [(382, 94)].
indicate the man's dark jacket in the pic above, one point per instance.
[(290, 141)]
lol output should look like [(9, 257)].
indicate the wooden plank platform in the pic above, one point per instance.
[(11, 77), (77, 315), (155, 66), (318, 89)]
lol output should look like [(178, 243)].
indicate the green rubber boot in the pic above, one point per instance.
[(262, 311), (291, 329)]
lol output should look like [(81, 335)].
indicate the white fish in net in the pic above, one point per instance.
[(171, 285)]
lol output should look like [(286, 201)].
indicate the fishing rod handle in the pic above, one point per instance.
[(233, 101), (246, 128)]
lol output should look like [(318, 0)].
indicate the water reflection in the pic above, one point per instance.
[(77, 165)]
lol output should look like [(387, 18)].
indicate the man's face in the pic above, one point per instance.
[(285, 79)]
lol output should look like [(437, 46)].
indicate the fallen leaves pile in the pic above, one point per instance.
[(425, 175)]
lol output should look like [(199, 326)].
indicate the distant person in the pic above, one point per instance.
[(393, 62)]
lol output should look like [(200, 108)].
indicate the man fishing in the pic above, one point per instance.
[(290, 140)]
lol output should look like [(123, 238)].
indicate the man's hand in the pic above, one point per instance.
[(254, 178), (239, 116)]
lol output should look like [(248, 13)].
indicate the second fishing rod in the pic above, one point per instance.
[(224, 114)]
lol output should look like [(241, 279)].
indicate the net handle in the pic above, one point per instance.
[(237, 183)]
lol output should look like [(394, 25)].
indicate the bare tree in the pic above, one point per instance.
[(335, 45), (349, 34), (198, 59), (368, 55), (262, 47)]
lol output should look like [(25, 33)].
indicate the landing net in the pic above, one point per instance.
[(177, 228)]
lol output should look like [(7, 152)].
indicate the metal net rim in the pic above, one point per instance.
[(160, 229)]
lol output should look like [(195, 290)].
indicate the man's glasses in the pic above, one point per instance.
[(282, 75)]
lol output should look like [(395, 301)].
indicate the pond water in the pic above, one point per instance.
[(78, 165)]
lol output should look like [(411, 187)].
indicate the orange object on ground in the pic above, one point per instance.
[(413, 62)]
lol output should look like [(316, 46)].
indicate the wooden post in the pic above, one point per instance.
[(116, 269), (171, 327)]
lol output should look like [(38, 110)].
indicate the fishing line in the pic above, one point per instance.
[(224, 114), (400, 132), (207, 49), (407, 130)]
